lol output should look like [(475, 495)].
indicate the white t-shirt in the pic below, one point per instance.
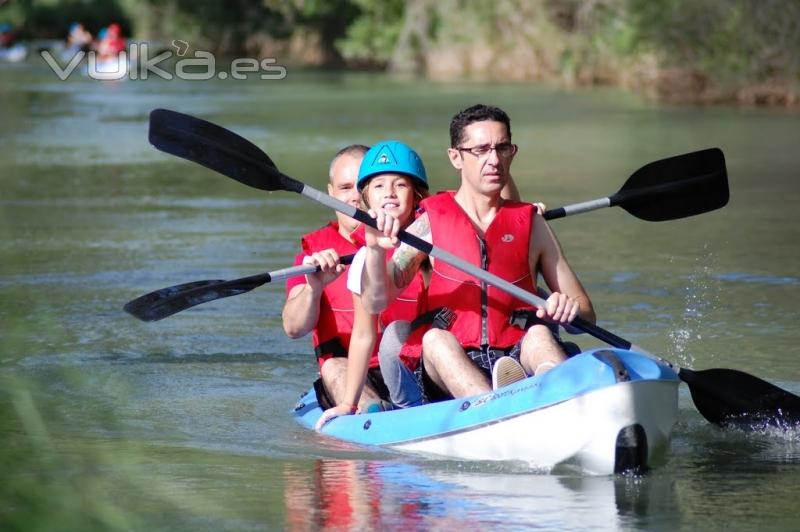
[(354, 273)]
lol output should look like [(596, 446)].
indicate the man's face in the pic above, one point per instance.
[(342, 186), (487, 172)]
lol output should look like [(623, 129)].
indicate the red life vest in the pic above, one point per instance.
[(409, 302), (331, 336), (482, 311)]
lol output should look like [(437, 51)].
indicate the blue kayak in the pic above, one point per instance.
[(603, 411)]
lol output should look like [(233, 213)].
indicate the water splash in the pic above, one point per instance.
[(701, 295)]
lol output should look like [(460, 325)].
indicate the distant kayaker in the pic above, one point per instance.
[(508, 238), (79, 39), (7, 35), (111, 43), (391, 179), (320, 303)]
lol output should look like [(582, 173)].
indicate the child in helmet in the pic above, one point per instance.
[(391, 179)]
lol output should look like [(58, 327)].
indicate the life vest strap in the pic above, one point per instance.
[(438, 318), (332, 347)]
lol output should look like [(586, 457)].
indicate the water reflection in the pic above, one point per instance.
[(347, 494), (344, 494)]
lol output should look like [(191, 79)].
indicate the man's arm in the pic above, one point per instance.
[(301, 310), (569, 294), (382, 281)]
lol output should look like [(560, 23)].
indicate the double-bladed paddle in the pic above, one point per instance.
[(672, 188), (668, 189), (163, 303), (721, 395)]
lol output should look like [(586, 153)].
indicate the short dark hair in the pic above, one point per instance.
[(352, 149), (476, 113)]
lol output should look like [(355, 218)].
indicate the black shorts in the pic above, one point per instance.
[(374, 380)]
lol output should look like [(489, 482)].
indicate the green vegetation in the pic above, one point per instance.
[(47, 485), (746, 48), (715, 50)]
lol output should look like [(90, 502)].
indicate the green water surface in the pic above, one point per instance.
[(111, 423)]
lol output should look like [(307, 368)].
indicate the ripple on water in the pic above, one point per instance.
[(753, 278)]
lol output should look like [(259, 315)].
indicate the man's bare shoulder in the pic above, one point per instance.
[(541, 233)]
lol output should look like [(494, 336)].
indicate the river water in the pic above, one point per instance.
[(111, 423)]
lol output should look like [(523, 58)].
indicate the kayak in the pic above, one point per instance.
[(13, 54), (602, 411)]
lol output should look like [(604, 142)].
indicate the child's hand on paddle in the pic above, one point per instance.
[(385, 236)]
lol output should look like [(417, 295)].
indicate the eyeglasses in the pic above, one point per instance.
[(506, 149)]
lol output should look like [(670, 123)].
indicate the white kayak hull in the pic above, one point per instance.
[(582, 431), (604, 411), (14, 54)]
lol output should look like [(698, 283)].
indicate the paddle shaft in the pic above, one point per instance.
[(277, 275), (577, 208), (252, 281), (302, 269)]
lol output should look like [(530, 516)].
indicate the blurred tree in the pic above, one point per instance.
[(52, 18), (713, 48), (732, 39), (373, 35)]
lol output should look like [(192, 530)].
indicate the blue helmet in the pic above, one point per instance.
[(391, 156)]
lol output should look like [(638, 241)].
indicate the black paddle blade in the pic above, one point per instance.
[(684, 185), (730, 397), (171, 300), (141, 305), (216, 148)]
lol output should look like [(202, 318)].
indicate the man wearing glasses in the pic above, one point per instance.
[(508, 238)]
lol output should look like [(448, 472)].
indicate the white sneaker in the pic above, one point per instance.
[(506, 371)]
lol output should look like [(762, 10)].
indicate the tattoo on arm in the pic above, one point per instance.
[(407, 260)]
